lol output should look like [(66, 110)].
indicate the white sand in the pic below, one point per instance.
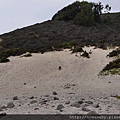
[(41, 71)]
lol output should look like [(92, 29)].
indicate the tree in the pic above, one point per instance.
[(97, 11), (82, 13), (107, 8), (85, 16)]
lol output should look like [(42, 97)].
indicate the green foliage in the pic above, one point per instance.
[(82, 13), (68, 13), (67, 44), (97, 10), (77, 49), (11, 52), (113, 65), (107, 8), (111, 68), (85, 54), (114, 53), (4, 60), (85, 17)]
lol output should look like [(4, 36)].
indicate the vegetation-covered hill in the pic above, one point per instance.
[(41, 37)]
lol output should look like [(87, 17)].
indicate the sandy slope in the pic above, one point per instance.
[(77, 79)]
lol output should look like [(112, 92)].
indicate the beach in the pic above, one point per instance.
[(40, 87)]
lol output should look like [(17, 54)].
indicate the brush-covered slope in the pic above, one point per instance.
[(41, 37)]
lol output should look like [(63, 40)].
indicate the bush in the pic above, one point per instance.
[(3, 60), (11, 52), (77, 49), (113, 65), (85, 54), (67, 44), (114, 53)]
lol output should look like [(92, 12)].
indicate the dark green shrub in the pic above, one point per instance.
[(67, 44), (85, 54), (4, 60), (77, 49), (112, 65), (114, 53)]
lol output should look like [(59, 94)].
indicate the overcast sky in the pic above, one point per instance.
[(21, 13)]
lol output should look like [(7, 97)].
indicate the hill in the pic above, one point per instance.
[(41, 37)]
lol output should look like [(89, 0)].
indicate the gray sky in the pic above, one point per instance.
[(16, 14)]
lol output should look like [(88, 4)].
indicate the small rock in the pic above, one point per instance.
[(92, 113), (15, 98), (85, 105), (50, 98), (67, 102), (55, 98), (109, 82), (43, 102), (71, 93), (33, 101), (89, 102), (67, 87), (114, 95), (3, 107), (85, 109), (52, 106), (60, 107), (96, 105), (10, 105), (82, 98), (54, 93), (32, 97), (24, 83), (36, 109), (77, 104), (46, 95)]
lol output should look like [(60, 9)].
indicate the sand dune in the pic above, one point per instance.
[(39, 75)]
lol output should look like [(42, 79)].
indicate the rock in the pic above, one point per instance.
[(24, 83), (33, 101), (92, 113), (54, 93), (32, 97), (85, 109), (50, 98), (36, 109), (114, 95), (67, 87), (10, 105), (43, 102), (96, 105), (15, 98), (55, 98), (3, 107), (76, 104), (60, 107), (46, 95), (67, 102), (52, 106), (82, 98), (89, 102), (85, 105)]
